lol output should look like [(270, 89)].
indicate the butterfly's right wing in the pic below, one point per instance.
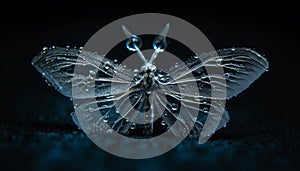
[(241, 66)]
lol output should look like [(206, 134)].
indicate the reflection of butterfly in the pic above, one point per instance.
[(123, 92)]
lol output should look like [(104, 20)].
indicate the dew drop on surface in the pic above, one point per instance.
[(117, 111), (92, 72), (133, 126), (165, 114), (45, 49), (91, 109), (176, 65), (174, 106), (109, 131), (205, 110), (163, 122), (196, 56), (75, 106), (87, 90), (219, 61), (106, 65), (227, 75), (115, 61), (67, 47), (160, 75), (105, 119)]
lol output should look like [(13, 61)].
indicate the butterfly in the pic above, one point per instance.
[(122, 94)]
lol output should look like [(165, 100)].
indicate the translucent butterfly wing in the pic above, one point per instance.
[(242, 66), (57, 66)]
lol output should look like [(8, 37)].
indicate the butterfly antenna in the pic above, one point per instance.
[(160, 42), (134, 43)]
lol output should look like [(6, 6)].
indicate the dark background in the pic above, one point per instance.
[(37, 133)]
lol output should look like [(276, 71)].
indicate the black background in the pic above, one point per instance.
[(263, 132)]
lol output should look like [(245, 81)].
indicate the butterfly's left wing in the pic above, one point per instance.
[(89, 74)]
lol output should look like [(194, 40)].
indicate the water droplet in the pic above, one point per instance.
[(205, 110), (109, 131), (115, 61), (227, 75), (224, 126), (87, 90), (163, 122), (45, 49), (196, 56), (67, 47), (75, 106), (174, 106), (92, 72), (133, 126), (149, 92), (165, 114), (160, 75), (91, 109), (233, 49), (80, 49), (219, 61), (105, 119), (176, 65), (107, 64)]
